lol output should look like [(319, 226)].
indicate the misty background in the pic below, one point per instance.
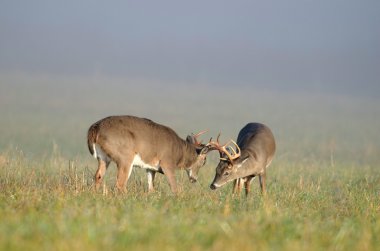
[(309, 69)]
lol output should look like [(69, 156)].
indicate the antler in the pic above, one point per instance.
[(225, 148), (214, 145), (197, 135)]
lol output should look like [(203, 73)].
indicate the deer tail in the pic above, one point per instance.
[(92, 136)]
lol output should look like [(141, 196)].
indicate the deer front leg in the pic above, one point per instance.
[(169, 173), (151, 174), (237, 186), (247, 184)]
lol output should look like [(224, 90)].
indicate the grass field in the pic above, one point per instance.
[(323, 186)]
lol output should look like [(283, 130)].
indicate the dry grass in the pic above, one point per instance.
[(323, 186), (50, 204)]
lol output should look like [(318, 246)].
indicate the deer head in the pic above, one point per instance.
[(230, 161), (202, 150)]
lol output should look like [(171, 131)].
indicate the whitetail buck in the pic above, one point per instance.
[(131, 141), (254, 152)]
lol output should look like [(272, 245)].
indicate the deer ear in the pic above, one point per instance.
[(190, 139)]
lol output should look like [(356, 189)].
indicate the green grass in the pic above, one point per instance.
[(323, 185), (50, 205)]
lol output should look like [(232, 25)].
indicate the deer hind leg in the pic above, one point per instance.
[(262, 179), (124, 170), (238, 185), (151, 174), (102, 167)]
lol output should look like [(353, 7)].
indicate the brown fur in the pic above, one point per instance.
[(122, 137), (257, 146)]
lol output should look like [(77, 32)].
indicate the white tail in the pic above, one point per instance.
[(94, 151)]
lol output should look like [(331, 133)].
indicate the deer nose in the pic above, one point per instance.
[(193, 180), (212, 186)]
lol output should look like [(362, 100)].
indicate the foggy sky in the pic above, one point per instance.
[(331, 45)]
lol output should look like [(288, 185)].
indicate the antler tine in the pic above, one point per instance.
[(231, 149), (197, 135), (200, 133), (217, 139), (237, 147), (215, 145), (236, 154), (225, 148)]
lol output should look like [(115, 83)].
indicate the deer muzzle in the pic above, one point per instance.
[(213, 187), (192, 179)]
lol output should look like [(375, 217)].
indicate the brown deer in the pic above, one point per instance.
[(131, 141), (254, 152)]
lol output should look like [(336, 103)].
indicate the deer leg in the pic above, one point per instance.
[(151, 174), (237, 186), (169, 173), (240, 186), (102, 167), (262, 178), (123, 172), (234, 189), (247, 184)]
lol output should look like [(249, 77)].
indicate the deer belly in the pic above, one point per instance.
[(138, 162)]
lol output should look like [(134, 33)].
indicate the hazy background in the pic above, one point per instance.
[(308, 69)]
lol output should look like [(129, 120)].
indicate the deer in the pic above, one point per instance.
[(131, 141), (255, 149)]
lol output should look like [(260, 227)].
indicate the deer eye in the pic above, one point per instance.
[(226, 173)]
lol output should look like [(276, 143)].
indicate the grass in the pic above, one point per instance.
[(50, 204), (323, 186)]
